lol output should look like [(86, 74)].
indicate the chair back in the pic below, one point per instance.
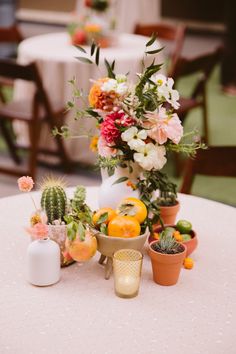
[(203, 65), (215, 161), (10, 34), (9, 69), (169, 33)]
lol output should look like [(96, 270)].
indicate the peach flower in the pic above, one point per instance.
[(163, 126), (105, 150), (25, 183)]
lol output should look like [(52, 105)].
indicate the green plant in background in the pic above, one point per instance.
[(167, 243), (53, 199)]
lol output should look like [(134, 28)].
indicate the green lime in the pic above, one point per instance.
[(184, 226), (186, 237)]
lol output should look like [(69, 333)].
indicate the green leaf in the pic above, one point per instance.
[(120, 180), (81, 231), (92, 50), (103, 217), (113, 65), (70, 104), (155, 51), (103, 229), (81, 49), (84, 60), (152, 40), (92, 113), (109, 69), (97, 56)]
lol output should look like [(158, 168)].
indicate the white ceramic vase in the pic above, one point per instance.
[(43, 262), (111, 193)]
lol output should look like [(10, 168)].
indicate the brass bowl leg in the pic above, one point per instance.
[(108, 268)]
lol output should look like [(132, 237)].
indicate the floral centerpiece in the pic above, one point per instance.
[(138, 126), (93, 26)]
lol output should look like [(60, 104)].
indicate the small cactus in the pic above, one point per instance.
[(53, 200)]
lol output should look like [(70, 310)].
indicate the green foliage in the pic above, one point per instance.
[(54, 202), (79, 216), (167, 243), (108, 163), (155, 180)]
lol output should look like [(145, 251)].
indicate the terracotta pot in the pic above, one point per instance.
[(191, 244), (169, 213), (166, 267)]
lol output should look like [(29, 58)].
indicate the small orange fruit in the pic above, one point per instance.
[(178, 236), (124, 226), (133, 207), (156, 235), (188, 263), (111, 214)]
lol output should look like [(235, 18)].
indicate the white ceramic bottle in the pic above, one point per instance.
[(43, 262)]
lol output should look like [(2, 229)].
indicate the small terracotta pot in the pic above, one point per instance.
[(166, 267), (191, 244), (169, 213)]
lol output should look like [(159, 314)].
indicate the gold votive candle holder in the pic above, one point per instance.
[(127, 267)]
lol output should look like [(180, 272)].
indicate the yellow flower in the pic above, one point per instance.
[(94, 144)]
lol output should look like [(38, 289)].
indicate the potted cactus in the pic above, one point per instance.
[(160, 196), (54, 203), (167, 256)]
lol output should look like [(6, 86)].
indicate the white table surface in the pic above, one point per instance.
[(55, 57), (81, 314)]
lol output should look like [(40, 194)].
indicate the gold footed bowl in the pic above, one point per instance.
[(108, 245)]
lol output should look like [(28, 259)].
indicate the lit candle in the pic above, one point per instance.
[(127, 285)]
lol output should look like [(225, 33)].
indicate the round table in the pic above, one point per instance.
[(55, 57), (81, 314)]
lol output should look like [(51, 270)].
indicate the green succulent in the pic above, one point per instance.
[(167, 243)]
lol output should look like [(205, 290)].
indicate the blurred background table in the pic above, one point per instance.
[(55, 57), (83, 314)]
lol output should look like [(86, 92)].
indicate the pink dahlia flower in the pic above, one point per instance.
[(110, 126)]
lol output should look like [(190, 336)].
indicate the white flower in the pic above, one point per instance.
[(109, 85), (151, 156), (167, 92), (134, 137), (121, 78), (112, 85), (122, 88), (159, 79)]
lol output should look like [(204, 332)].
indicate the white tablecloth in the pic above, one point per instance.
[(55, 57), (81, 314)]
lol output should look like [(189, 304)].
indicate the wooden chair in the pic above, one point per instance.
[(172, 34), (10, 36), (33, 113), (215, 161), (202, 65)]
